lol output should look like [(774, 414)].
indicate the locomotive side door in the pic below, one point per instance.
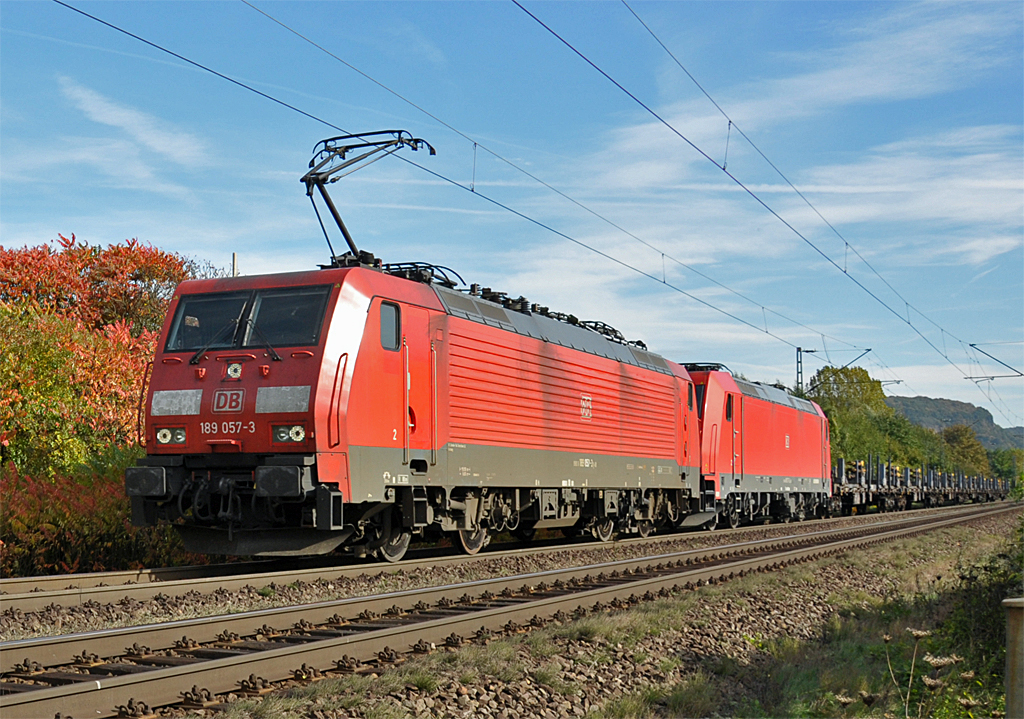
[(737, 441), (729, 437), (420, 389)]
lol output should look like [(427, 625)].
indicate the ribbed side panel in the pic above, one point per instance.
[(518, 392)]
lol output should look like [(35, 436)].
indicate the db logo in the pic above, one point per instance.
[(228, 400), (586, 407)]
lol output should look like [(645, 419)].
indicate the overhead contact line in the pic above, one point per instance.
[(527, 173), (722, 168), (471, 190)]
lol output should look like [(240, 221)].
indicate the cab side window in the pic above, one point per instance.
[(728, 408), (390, 326), (689, 396)]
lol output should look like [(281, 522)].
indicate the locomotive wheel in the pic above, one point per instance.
[(472, 541), (603, 530), (396, 547), (732, 514), (733, 518), (645, 528)]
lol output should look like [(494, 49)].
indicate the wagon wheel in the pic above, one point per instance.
[(603, 530), (395, 548), (645, 528), (472, 541), (525, 534)]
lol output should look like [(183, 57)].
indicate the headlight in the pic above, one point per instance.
[(289, 433), (171, 435)]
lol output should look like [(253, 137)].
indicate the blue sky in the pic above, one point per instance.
[(902, 123)]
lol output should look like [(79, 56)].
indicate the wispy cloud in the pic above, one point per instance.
[(964, 185), (113, 163), (412, 41), (914, 51), (151, 132)]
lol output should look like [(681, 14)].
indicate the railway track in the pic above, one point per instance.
[(29, 594), (93, 674)]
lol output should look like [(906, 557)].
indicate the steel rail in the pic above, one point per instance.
[(179, 580), (163, 686), (61, 582)]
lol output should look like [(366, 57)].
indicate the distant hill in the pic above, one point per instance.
[(937, 414)]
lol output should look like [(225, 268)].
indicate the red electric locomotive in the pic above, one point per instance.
[(766, 453), (364, 403)]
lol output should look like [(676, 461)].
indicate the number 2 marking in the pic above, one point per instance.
[(394, 435)]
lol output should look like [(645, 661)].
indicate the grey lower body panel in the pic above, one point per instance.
[(771, 483), (462, 465)]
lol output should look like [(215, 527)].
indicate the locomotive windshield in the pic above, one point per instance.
[(282, 317), (700, 400)]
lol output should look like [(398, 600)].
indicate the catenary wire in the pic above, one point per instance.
[(441, 177), (527, 173), (437, 175), (882, 366), (780, 173), (846, 243), (753, 195)]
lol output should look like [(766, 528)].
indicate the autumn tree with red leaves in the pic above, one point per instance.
[(79, 324), (130, 283)]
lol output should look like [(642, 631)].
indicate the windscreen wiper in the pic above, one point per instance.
[(211, 343), (266, 343)]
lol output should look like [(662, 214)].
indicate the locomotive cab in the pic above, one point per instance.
[(231, 431)]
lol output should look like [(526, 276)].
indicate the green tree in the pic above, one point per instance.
[(849, 390), (855, 406), (1007, 463), (965, 451), (861, 423), (79, 323)]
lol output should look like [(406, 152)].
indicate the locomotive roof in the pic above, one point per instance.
[(775, 395), (591, 337), (549, 329)]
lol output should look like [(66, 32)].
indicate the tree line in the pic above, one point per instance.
[(860, 422)]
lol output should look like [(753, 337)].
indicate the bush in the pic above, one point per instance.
[(976, 625), (77, 525)]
